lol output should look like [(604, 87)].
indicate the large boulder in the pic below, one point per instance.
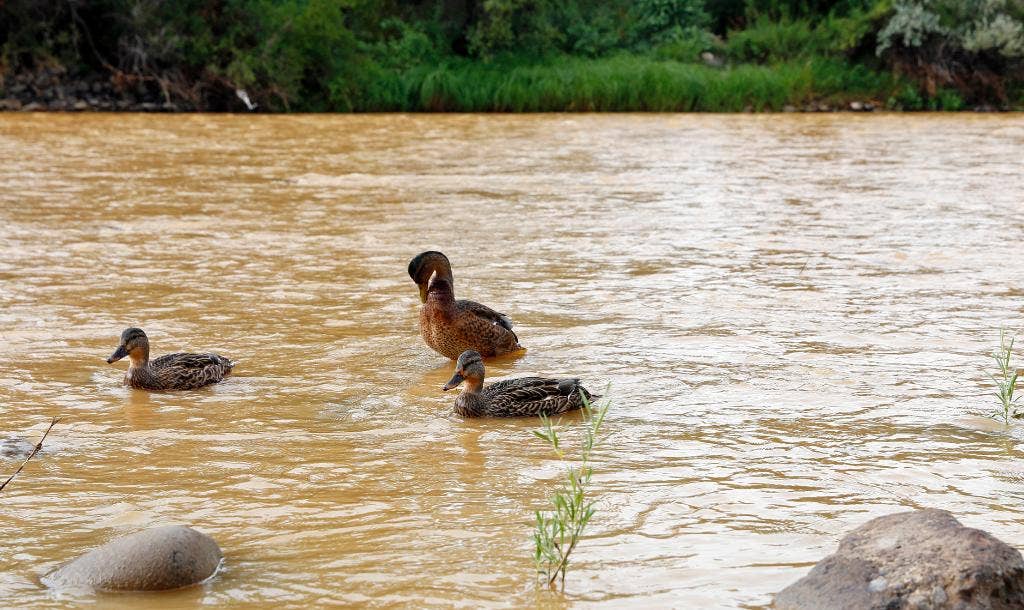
[(151, 560), (921, 560)]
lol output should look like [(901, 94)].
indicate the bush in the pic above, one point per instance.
[(973, 46)]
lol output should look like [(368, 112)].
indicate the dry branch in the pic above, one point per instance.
[(36, 450)]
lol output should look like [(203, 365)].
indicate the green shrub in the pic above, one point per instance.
[(973, 46)]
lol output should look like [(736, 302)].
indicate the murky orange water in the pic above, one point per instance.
[(794, 314)]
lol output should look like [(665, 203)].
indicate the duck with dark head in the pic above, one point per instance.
[(180, 371), (451, 326), (522, 397)]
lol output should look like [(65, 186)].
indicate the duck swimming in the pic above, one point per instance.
[(526, 396), (451, 327), (181, 371)]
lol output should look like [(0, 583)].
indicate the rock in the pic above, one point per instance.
[(15, 448), (789, 108), (159, 558), (711, 59), (148, 107), (33, 107), (11, 103), (856, 106), (920, 560), (80, 105)]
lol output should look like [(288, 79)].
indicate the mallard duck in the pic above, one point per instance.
[(526, 396), (181, 371), (451, 326)]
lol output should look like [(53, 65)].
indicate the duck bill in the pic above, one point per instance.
[(119, 353), (423, 293), (453, 382)]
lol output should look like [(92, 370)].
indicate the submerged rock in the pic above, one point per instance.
[(160, 558), (920, 560), (13, 447)]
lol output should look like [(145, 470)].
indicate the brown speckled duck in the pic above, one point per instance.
[(523, 397), (181, 371), (451, 326)]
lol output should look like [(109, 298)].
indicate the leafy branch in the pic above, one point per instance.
[(1006, 380), (558, 531)]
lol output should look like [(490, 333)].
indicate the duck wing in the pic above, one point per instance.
[(186, 371), (529, 396), (478, 327), (485, 312)]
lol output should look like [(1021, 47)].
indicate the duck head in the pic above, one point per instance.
[(134, 343), (468, 368), (423, 267)]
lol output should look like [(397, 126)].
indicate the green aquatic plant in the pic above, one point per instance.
[(1006, 380), (559, 530)]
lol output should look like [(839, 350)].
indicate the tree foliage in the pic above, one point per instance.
[(975, 46), (363, 55)]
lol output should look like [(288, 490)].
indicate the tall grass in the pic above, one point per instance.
[(622, 83), (1005, 379), (559, 530)]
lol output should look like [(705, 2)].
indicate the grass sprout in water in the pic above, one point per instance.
[(1006, 380), (559, 530)]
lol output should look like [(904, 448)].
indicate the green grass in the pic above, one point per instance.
[(622, 83), (558, 531), (1006, 380)]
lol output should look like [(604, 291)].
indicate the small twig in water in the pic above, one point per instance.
[(37, 449)]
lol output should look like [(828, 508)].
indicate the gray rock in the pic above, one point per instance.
[(711, 59), (156, 559), (33, 107), (856, 106), (11, 103), (80, 105), (920, 560), (15, 448)]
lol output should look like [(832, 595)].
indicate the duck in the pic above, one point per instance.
[(522, 397), (452, 326), (180, 371)]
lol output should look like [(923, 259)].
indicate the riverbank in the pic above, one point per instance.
[(623, 83), (504, 56)]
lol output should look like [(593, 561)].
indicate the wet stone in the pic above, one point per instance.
[(12, 447), (921, 560), (156, 559)]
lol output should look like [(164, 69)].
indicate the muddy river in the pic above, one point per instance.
[(792, 313)]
